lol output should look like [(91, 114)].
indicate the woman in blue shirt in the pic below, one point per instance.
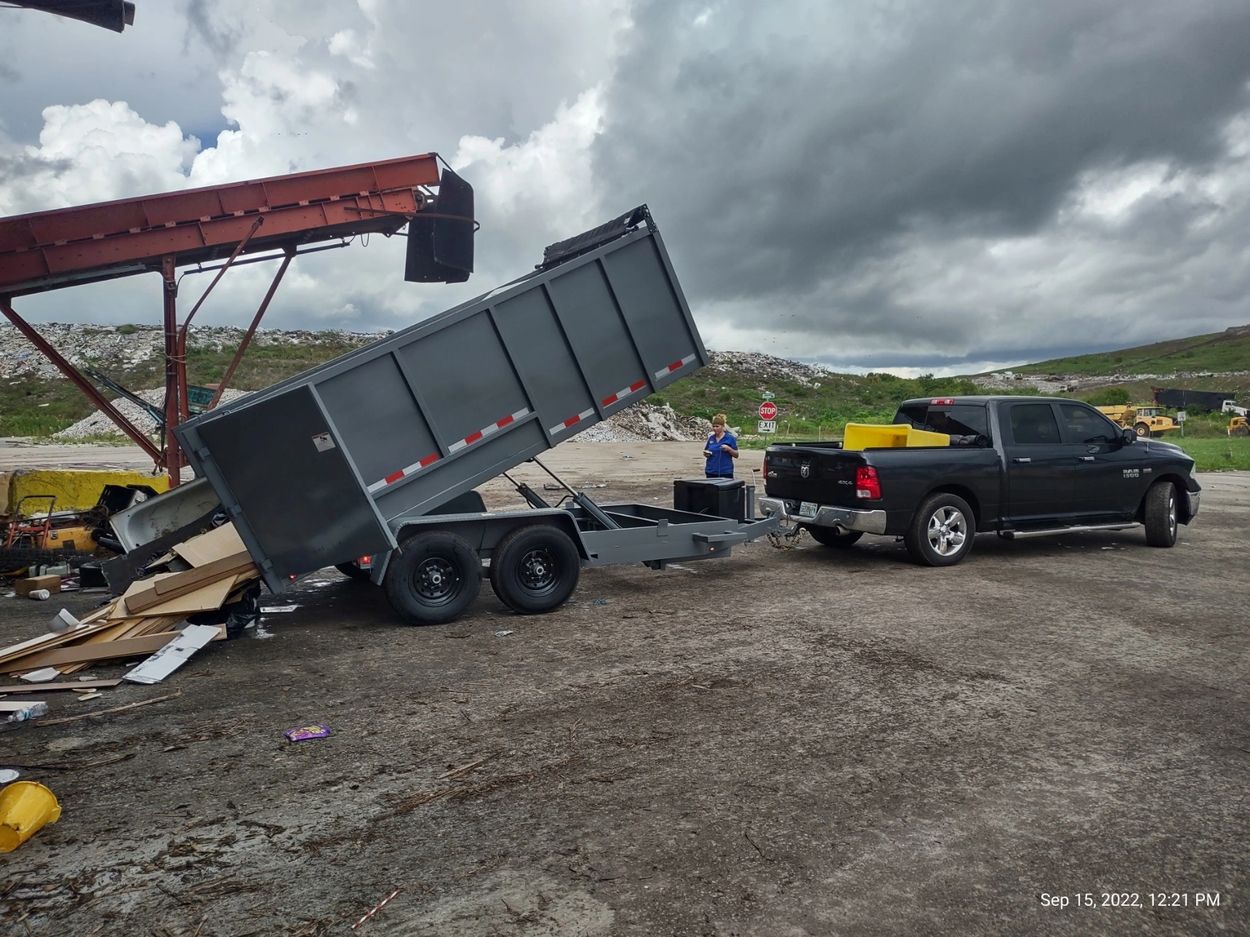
[(721, 450)]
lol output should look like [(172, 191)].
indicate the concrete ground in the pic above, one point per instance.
[(788, 742)]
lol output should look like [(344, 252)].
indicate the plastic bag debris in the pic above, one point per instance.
[(307, 733)]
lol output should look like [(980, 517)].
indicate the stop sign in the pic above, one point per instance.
[(768, 410)]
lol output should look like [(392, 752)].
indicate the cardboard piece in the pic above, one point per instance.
[(174, 585), (217, 543), (205, 599), (24, 587)]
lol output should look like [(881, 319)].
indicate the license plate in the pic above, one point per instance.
[(807, 509)]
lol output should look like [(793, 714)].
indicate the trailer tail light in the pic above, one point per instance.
[(867, 484)]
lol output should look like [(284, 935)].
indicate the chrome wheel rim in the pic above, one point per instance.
[(947, 531), (1172, 515)]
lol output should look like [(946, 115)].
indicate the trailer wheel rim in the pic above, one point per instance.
[(538, 571), (947, 531), (436, 580)]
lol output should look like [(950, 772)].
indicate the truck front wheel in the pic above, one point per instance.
[(535, 569), (1142, 430), (832, 537), (941, 533), (1160, 515), (433, 578)]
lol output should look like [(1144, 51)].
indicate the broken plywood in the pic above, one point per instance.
[(217, 543)]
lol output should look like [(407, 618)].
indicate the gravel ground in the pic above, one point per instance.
[(787, 742)]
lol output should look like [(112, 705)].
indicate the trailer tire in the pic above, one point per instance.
[(433, 578), (942, 531), (352, 571), (832, 537), (535, 569), (1159, 515)]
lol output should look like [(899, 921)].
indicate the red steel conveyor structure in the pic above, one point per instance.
[(225, 225)]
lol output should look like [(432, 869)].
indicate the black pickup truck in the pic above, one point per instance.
[(1018, 466)]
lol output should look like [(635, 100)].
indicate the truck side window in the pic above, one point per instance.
[(913, 415), (967, 420), (1084, 425), (1034, 424)]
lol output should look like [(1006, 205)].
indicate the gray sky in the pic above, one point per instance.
[(896, 185)]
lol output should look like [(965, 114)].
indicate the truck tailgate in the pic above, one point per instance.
[(812, 473)]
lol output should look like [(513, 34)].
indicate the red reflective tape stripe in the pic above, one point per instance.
[(571, 420), (394, 477), (504, 422), (637, 385), (608, 401), (433, 457), (472, 438), (675, 366)]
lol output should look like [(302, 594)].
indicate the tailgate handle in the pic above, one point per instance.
[(1022, 460)]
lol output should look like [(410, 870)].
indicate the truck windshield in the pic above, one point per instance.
[(956, 419)]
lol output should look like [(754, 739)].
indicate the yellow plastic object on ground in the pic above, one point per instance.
[(75, 489), (25, 806), (890, 436)]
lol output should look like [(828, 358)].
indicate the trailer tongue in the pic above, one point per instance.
[(378, 452)]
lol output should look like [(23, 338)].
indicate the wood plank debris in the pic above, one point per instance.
[(149, 620), (64, 685)]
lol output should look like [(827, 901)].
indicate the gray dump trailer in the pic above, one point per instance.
[(377, 453)]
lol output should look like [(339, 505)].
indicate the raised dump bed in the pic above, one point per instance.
[(360, 455)]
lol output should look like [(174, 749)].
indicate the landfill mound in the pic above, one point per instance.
[(98, 424), (644, 422)]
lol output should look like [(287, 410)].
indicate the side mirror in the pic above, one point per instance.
[(1128, 437)]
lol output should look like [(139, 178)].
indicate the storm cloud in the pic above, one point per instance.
[(900, 185)]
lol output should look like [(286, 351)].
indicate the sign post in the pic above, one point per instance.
[(768, 417)]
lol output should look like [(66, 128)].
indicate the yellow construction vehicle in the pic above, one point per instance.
[(1238, 424), (1145, 419)]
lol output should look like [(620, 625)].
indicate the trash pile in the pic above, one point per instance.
[(644, 422), (195, 580), (97, 424)]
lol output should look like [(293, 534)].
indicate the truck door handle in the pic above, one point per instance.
[(1085, 458), (1022, 460)]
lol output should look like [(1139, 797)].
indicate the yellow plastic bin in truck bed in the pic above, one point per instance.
[(890, 436)]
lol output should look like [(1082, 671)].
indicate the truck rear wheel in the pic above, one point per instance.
[(1160, 515), (535, 569), (941, 533), (833, 537), (433, 578)]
